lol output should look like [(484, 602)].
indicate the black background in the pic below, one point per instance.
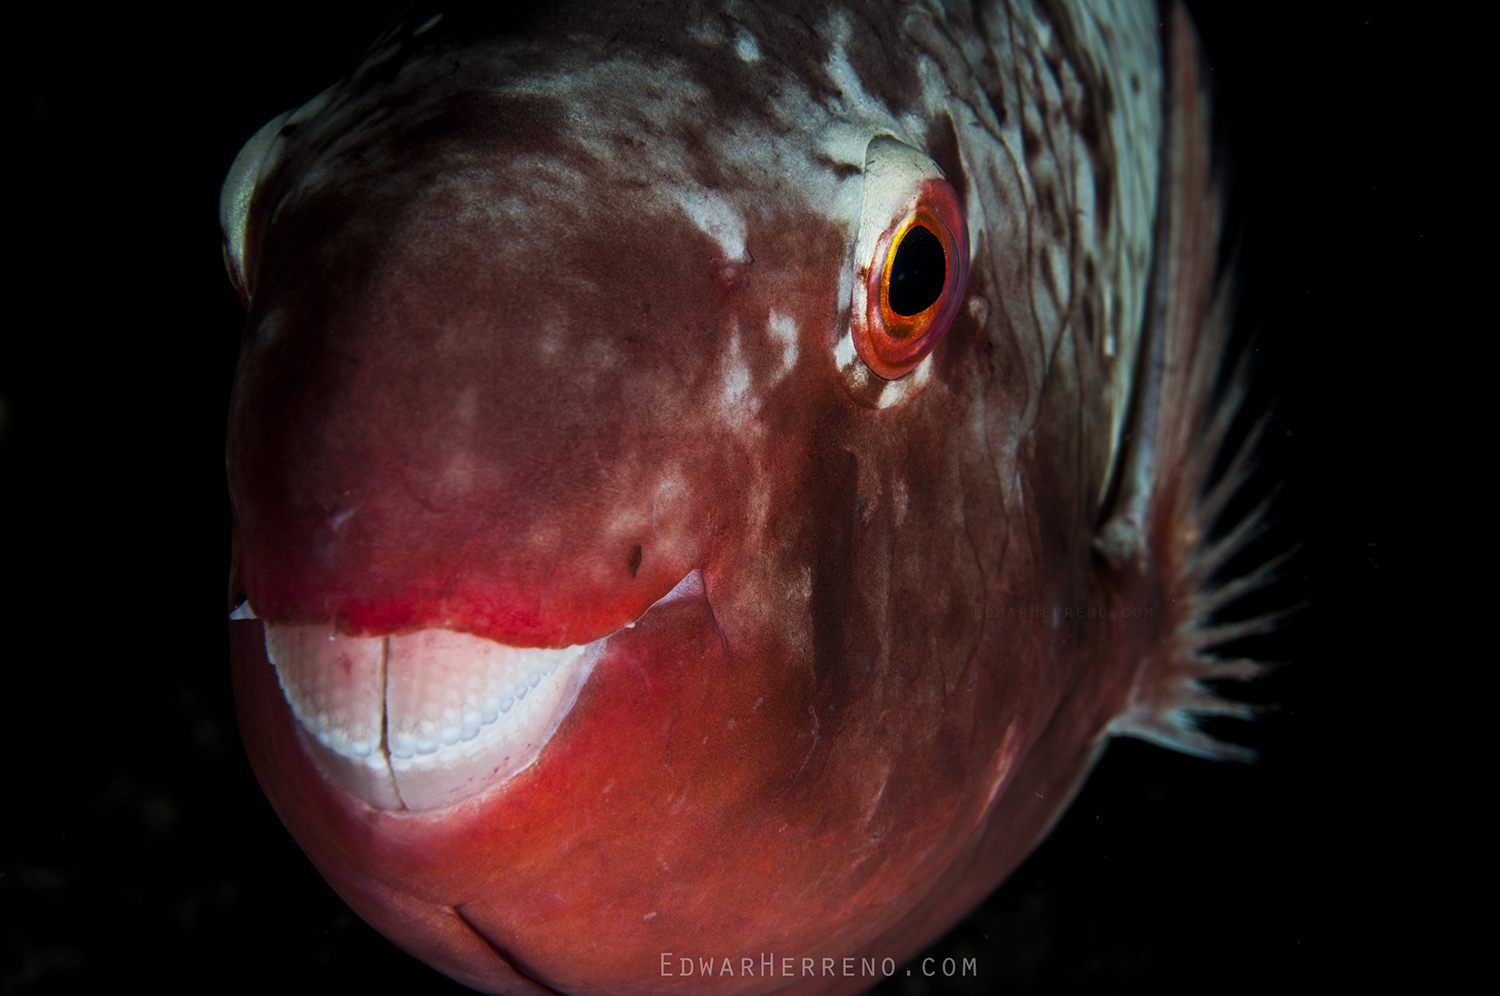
[(137, 847)]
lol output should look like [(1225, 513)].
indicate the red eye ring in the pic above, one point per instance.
[(892, 345)]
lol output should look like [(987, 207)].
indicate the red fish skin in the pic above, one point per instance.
[(565, 862), (844, 785), (519, 867)]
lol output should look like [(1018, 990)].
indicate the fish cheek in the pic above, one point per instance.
[(1058, 570), (1059, 474), (950, 575), (832, 575), (959, 353), (952, 462)]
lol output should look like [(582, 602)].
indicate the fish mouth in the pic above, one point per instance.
[(425, 720)]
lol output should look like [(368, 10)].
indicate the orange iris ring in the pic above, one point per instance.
[(890, 344)]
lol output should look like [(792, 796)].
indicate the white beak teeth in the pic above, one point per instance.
[(426, 719), (334, 684), (445, 688)]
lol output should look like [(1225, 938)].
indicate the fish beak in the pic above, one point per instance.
[(425, 720)]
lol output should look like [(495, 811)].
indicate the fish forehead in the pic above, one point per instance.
[(705, 120), (520, 177)]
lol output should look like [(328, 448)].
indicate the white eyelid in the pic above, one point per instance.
[(894, 173)]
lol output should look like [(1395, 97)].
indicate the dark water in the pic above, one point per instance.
[(136, 845)]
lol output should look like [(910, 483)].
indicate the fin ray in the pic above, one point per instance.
[(1167, 526)]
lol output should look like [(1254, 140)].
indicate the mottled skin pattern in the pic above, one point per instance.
[(500, 378)]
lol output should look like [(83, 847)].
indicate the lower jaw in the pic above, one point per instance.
[(561, 875)]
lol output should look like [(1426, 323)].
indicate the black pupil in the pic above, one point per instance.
[(917, 272)]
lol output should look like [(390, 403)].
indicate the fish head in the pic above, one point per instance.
[(518, 348), (613, 456)]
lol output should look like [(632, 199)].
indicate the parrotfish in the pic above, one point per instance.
[(709, 479)]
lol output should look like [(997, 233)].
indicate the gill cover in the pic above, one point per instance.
[(912, 259)]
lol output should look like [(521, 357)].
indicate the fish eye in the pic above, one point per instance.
[(913, 274), (914, 278)]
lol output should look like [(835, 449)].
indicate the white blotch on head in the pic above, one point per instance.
[(626, 524), (845, 142), (745, 46), (551, 324), (466, 409), (846, 274), (784, 330), (979, 308), (843, 353), (905, 388), (715, 218), (857, 104), (758, 505), (461, 473), (670, 496), (735, 399), (707, 31)]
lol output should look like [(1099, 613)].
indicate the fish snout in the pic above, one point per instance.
[(442, 492)]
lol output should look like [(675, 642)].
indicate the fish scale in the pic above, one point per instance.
[(566, 332)]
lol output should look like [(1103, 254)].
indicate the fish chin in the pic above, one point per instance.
[(426, 720)]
